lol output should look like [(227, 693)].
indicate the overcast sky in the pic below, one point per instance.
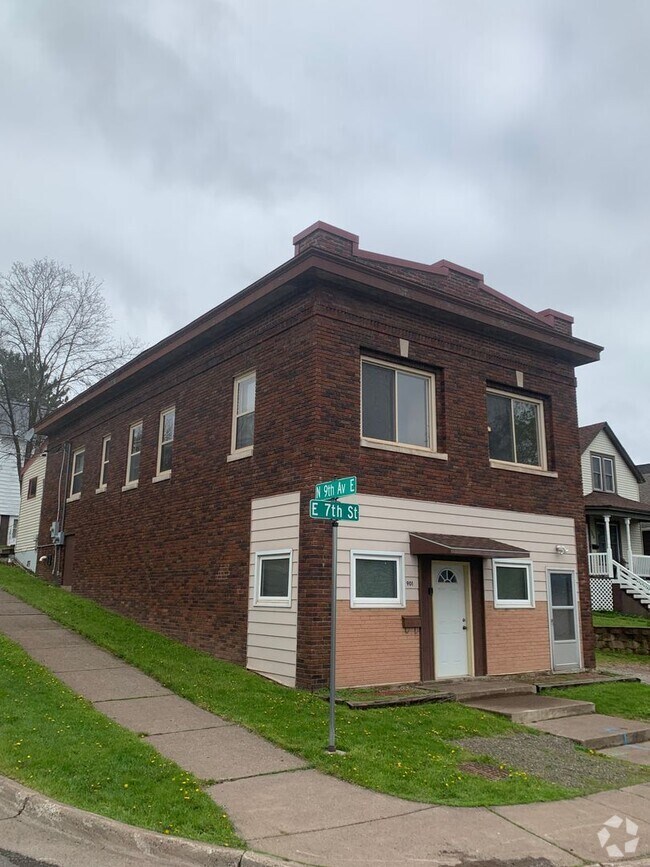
[(174, 147)]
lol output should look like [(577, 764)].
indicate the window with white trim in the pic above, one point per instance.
[(376, 579), (165, 442), (133, 461), (602, 473), (516, 430), (106, 457), (273, 578), (243, 415), (32, 487), (77, 475), (397, 405), (513, 583)]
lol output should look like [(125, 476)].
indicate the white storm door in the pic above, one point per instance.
[(450, 620), (565, 644)]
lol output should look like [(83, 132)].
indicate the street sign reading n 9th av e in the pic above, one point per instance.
[(330, 510), (336, 488)]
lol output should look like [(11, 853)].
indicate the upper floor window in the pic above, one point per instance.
[(106, 457), (602, 473), (516, 430), (76, 480), (397, 405), (32, 486), (165, 442), (243, 422), (133, 462)]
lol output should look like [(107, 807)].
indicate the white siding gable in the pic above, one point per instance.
[(30, 514), (626, 485), (9, 484)]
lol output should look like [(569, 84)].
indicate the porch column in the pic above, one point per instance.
[(608, 547), (630, 561)]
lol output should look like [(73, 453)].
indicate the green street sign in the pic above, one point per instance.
[(336, 488), (332, 511)]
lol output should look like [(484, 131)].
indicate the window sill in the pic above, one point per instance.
[(130, 486), (284, 603), (516, 468), (390, 603), (162, 477), (407, 450), (101, 489), (522, 606), (239, 455), (73, 498)]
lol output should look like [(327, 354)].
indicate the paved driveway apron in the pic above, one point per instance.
[(285, 808)]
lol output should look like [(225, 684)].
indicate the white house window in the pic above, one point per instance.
[(516, 430), (243, 422), (513, 584), (397, 405), (602, 473), (376, 580), (77, 476), (273, 578), (106, 457), (32, 487), (165, 442), (133, 462)]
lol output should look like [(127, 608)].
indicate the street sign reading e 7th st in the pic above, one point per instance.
[(335, 488), (332, 511)]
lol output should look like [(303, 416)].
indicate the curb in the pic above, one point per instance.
[(91, 828)]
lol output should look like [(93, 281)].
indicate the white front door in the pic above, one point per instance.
[(450, 619)]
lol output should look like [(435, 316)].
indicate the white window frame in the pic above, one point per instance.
[(73, 475), (244, 451), (104, 462), (272, 601), (396, 445), (601, 458), (133, 484), (161, 475), (513, 562), (541, 434), (370, 602)]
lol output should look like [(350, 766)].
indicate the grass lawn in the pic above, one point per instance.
[(614, 618), (54, 741), (405, 751), (620, 657), (630, 700)]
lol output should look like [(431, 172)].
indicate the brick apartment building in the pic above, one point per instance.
[(181, 483)]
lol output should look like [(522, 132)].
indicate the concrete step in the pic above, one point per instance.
[(597, 731), (527, 709), (470, 690)]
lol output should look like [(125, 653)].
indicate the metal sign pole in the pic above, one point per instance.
[(331, 748)]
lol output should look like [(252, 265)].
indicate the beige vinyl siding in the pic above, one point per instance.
[(273, 631), (635, 537), (30, 514), (626, 485), (386, 522)]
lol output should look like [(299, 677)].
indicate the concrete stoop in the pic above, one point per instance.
[(465, 691), (597, 731), (527, 709)]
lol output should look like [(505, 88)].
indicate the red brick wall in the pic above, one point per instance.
[(517, 640), (174, 554)]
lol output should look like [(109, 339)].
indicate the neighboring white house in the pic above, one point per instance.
[(9, 485), (31, 499), (615, 514)]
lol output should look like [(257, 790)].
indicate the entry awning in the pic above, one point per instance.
[(462, 546)]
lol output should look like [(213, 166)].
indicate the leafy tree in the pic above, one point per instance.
[(55, 339)]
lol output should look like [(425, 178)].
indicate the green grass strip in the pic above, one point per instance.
[(614, 618), (405, 751), (56, 742), (629, 700)]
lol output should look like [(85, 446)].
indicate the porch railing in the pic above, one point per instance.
[(641, 565), (600, 564)]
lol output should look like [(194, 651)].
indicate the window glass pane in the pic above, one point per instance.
[(500, 428), (378, 401), (79, 462), (107, 450), (564, 627), (134, 468), (246, 395), (512, 583), (274, 577), (561, 588), (376, 579), (525, 415), (596, 474), (412, 409), (166, 457), (608, 474), (76, 484), (136, 438), (245, 430), (168, 426)]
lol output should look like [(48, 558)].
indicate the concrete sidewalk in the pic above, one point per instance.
[(284, 808)]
